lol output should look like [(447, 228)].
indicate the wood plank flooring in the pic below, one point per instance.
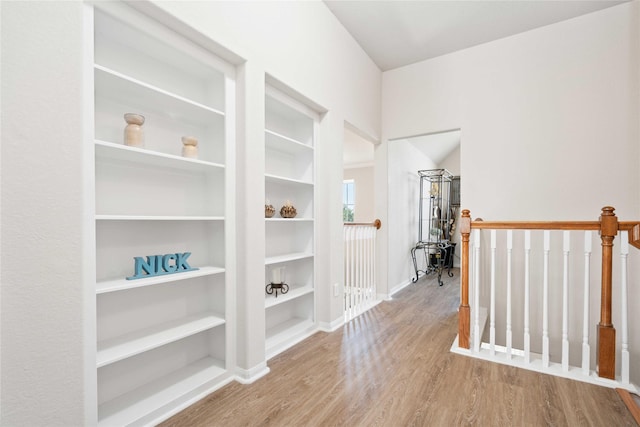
[(392, 367)]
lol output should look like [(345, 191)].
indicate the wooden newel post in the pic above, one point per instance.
[(464, 312), (606, 353)]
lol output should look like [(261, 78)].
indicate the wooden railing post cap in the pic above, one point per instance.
[(608, 211), (465, 223), (608, 222)]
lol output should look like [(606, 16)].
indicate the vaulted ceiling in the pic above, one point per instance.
[(398, 33)]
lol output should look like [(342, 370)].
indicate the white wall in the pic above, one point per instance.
[(43, 342), (540, 112), (365, 192), (43, 294), (452, 162), (549, 120)]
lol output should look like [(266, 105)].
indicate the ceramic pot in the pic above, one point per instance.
[(133, 132), (189, 147)]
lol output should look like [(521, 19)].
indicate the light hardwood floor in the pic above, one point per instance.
[(392, 367)]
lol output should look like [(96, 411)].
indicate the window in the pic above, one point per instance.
[(348, 200)]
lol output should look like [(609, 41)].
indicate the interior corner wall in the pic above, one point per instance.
[(405, 160), (549, 118)]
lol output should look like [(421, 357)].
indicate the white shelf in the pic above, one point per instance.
[(116, 349), (157, 218), (276, 141), (109, 83), (124, 284), (271, 300), (287, 257), (287, 333), (282, 179), (144, 400), (114, 151)]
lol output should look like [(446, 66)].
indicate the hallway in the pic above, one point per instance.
[(392, 367)]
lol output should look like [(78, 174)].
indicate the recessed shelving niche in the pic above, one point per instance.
[(290, 135), (164, 340)]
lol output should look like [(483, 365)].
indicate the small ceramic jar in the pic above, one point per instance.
[(133, 132), (189, 147)]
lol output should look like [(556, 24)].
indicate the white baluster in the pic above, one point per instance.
[(527, 334), (360, 269), (509, 332), (366, 262), (352, 242), (566, 248), (374, 232), (345, 238), (492, 319), (624, 252), (359, 259), (476, 322), (586, 352), (545, 300)]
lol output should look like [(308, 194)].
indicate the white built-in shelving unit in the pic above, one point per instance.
[(161, 341), (290, 136)]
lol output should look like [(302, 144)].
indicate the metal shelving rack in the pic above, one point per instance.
[(435, 224)]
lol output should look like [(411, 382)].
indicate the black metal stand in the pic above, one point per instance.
[(437, 257), (273, 287)]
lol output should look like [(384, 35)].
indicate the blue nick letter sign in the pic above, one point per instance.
[(159, 265)]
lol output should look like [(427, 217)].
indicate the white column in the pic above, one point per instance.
[(545, 300), (624, 330), (476, 284), (357, 288), (509, 260), (527, 335), (566, 248), (585, 306), (492, 317)]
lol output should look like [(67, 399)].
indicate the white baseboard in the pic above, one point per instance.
[(247, 376), (397, 288), (331, 326)]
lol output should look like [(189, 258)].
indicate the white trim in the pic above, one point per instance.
[(331, 326), (397, 288), (536, 364), (248, 376)]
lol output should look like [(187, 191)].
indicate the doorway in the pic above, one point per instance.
[(439, 150)]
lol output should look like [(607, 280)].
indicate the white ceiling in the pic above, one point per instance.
[(435, 146), (398, 33)]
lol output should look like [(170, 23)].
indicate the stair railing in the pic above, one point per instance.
[(359, 267), (608, 228)]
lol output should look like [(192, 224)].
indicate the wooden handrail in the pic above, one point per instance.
[(377, 223), (549, 225), (535, 225), (631, 404), (607, 226)]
